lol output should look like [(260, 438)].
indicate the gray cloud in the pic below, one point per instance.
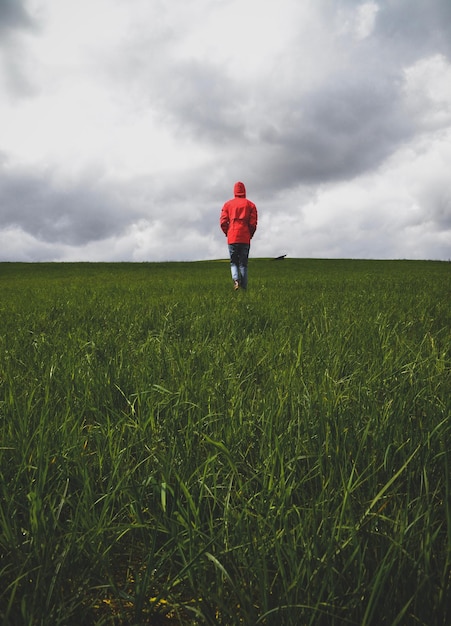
[(14, 21), (345, 129), (347, 124), (414, 28), (13, 16), (319, 115), (70, 214), (438, 215), (204, 103)]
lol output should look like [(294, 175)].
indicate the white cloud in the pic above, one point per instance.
[(366, 18), (428, 92), (357, 20)]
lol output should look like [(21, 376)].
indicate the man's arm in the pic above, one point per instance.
[(224, 220), (253, 219)]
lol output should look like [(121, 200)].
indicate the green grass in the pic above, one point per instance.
[(172, 452)]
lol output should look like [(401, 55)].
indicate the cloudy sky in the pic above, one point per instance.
[(125, 123)]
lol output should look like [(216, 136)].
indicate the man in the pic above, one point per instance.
[(238, 222)]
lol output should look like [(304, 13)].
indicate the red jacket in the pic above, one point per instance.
[(239, 217)]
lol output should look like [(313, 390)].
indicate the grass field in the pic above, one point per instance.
[(172, 452)]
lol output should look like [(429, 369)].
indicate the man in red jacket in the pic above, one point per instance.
[(239, 222)]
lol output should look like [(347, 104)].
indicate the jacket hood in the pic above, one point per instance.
[(239, 190)]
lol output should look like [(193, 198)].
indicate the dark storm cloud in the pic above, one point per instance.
[(337, 133), (13, 16), (439, 209), (71, 215), (415, 28), (346, 126)]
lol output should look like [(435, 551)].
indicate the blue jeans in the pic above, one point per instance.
[(239, 255)]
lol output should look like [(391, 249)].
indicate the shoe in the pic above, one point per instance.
[(236, 285)]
